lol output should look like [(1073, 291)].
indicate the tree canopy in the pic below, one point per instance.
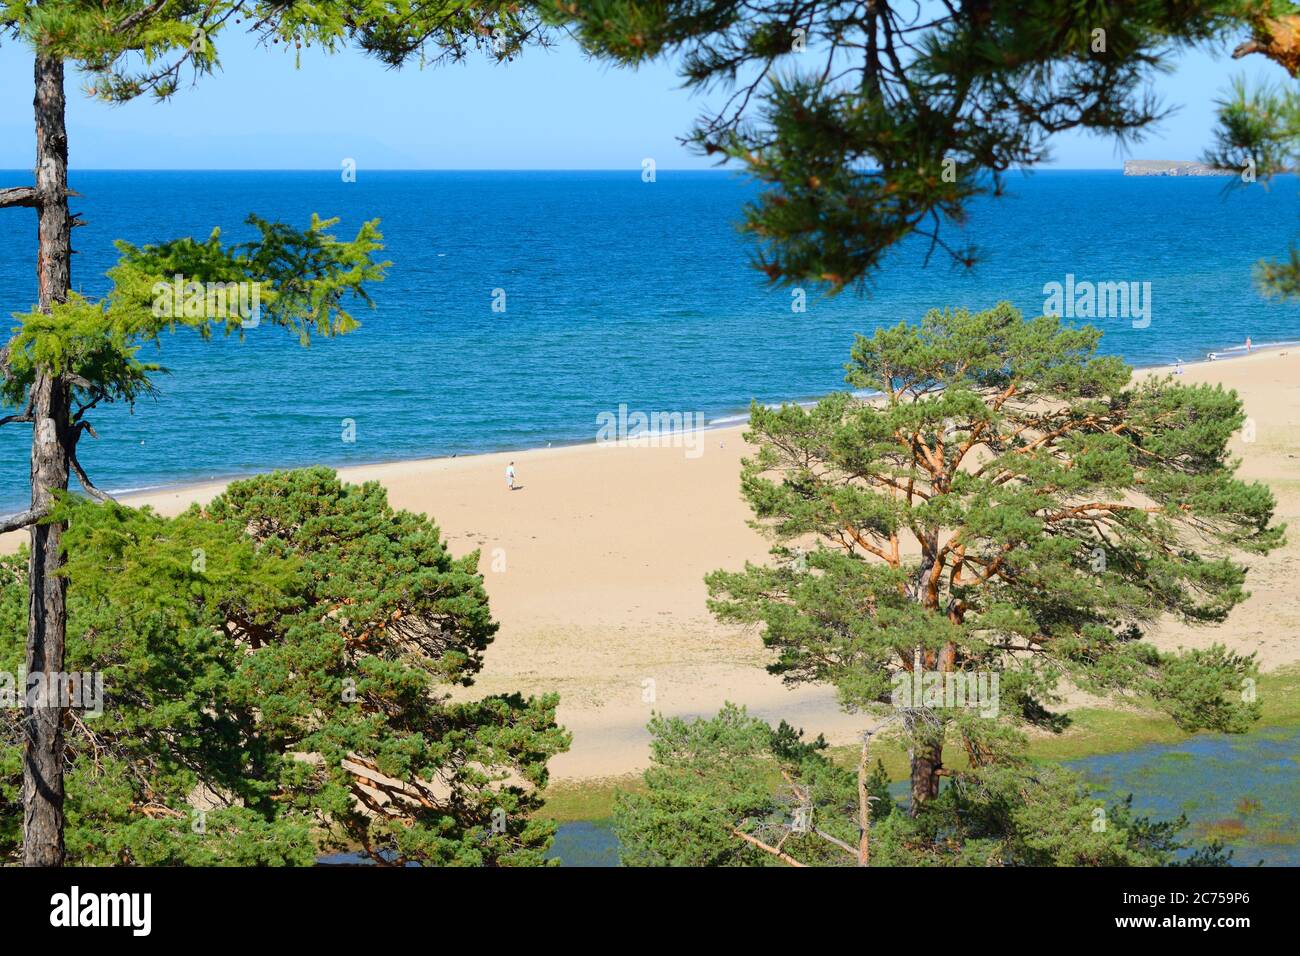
[(1005, 506), (732, 791), (278, 673), (71, 353), (866, 123), (131, 48)]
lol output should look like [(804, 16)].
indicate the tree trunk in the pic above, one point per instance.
[(51, 438), (864, 802), (927, 729), (927, 762)]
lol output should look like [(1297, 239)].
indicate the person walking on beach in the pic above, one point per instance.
[(510, 476), (1248, 343)]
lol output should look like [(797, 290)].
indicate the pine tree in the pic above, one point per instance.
[(869, 123), (71, 354), (276, 672), (1011, 507), (731, 791)]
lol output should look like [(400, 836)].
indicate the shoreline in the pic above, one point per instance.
[(595, 571), (724, 421)]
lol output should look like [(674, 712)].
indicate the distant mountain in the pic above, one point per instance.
[(1172, 167)]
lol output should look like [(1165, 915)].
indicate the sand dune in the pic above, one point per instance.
[(595, 570)]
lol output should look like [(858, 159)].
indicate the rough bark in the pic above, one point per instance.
[(51, 439), (864, 803), (1276, 38), (927, 767), (17, 196)]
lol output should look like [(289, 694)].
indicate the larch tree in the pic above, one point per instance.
[(70, 353)]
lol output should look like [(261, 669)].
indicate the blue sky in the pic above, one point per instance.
[(547, 110)]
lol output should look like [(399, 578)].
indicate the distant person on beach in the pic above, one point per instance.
[(1248, 343), (510, 476)]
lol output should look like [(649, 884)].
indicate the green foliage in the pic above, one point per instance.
[(129, 48), (1011, 506), (302, 278), (78, 338), (714, 778), (261, 733), (1257, 129), (869, 123), (711, 778), (284, 658), (1280, 278), (1018, 814), (1011, 502), (1258, 132)]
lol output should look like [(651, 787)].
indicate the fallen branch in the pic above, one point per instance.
[(779, 854)]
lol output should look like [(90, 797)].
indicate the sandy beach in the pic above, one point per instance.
[(595, 568)]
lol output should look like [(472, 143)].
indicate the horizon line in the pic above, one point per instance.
[(502, 169)]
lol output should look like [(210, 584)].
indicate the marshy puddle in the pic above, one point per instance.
[(585, 843), (1243, 789)]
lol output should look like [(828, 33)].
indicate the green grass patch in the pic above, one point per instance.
[(1094, 731), (587, 799)]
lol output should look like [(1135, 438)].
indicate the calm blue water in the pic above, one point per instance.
[(585, 843), (1243, 789), (617, 291)]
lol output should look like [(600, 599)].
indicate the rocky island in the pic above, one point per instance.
[(1172, 167)]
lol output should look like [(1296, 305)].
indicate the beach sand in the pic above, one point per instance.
[(595, 567)]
